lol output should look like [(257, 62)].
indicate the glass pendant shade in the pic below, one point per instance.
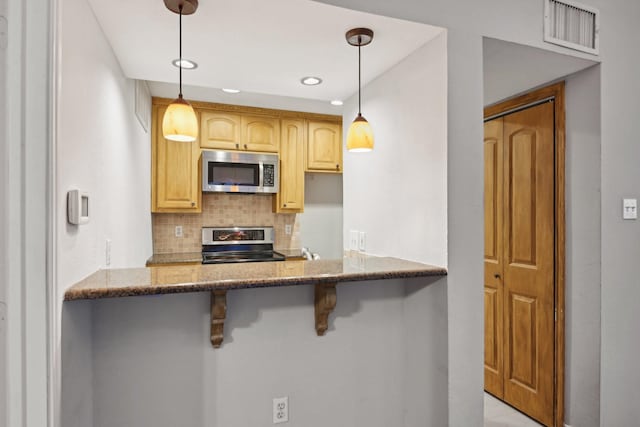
[(180, 122), (360, 136)]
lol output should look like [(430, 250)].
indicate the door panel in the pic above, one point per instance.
[(493, 257), (529, 272), (519, 260)]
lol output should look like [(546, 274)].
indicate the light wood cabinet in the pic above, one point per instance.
[(260, 133), (324, 147), (175, 183), (290, 197), (219, 130), (228, 131)]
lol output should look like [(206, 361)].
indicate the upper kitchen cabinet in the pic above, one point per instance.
[(175, 184), (324, 147), (219, 130), (290, 198), (227, 131), (260, 133)]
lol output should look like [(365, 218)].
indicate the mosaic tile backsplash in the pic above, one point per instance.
[(222, 210)]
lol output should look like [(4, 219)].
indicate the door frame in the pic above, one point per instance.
[(556, 92)]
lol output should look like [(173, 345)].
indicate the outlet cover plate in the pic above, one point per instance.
[(280, 410)]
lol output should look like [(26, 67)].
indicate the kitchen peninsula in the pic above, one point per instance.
[(218, 279)]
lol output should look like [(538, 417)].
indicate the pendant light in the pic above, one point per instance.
[(180, 122), (360, 135)]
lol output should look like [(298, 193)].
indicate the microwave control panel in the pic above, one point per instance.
[(269, 176)]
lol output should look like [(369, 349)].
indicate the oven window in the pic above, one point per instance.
[(233, 174)]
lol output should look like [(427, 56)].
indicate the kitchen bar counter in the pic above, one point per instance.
[(222, 277), (218, 279)]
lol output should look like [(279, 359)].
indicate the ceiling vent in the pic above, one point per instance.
[(572, 25)]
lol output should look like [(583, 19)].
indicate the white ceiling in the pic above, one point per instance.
[(257, 46)]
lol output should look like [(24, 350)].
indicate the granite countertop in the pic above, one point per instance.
[(200, 278)]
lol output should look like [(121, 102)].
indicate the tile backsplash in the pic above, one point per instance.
[(222, 210)]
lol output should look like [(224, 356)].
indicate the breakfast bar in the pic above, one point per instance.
[(220, 278)]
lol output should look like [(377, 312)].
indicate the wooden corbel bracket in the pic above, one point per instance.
[(325, 302), (218, 314)]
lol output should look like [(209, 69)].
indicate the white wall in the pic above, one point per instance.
[(620, 372), (397, 194), (582, 290), (101, 149), (3, 218), (321, 222), (380, 364)]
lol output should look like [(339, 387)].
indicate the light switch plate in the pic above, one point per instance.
[(630, 208)]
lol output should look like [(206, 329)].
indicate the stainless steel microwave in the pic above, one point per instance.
[(239, 172)]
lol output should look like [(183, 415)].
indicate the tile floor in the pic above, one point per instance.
[(499, 414)]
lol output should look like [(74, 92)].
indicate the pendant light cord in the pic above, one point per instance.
[(180, 50), (359, 76)]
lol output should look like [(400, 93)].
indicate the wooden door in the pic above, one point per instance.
[(493, 257), (324, 147), (260, 134), (290, 197), (175, 178), (219, 130), (527, 259)]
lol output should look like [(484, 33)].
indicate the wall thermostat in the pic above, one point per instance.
[(77, 207)]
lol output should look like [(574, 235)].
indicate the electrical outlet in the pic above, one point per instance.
[(107, 252), (353, 240), (280, 410), (362, 241), (287, 229), (179, 231)]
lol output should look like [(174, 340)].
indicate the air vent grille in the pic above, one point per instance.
[(572, 25)]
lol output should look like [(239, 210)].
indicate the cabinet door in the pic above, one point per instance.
[(324, 147), (260, 134), (174, 172), (220, 130), (290, 197)]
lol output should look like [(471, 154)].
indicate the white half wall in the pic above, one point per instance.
[(397, 194), (383, 361)]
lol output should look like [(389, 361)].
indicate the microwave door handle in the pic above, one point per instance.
[(261, 172)]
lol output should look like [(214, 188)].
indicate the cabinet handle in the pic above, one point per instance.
[(245, 146), (337, 167), (193, 204), (496, 276), (285, 205), (237, 146)]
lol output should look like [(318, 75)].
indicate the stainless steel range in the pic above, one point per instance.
[(238, 244)]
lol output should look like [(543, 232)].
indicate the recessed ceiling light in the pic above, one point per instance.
[(311, 81), (336, 102), (230, 90), (184, 64)]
